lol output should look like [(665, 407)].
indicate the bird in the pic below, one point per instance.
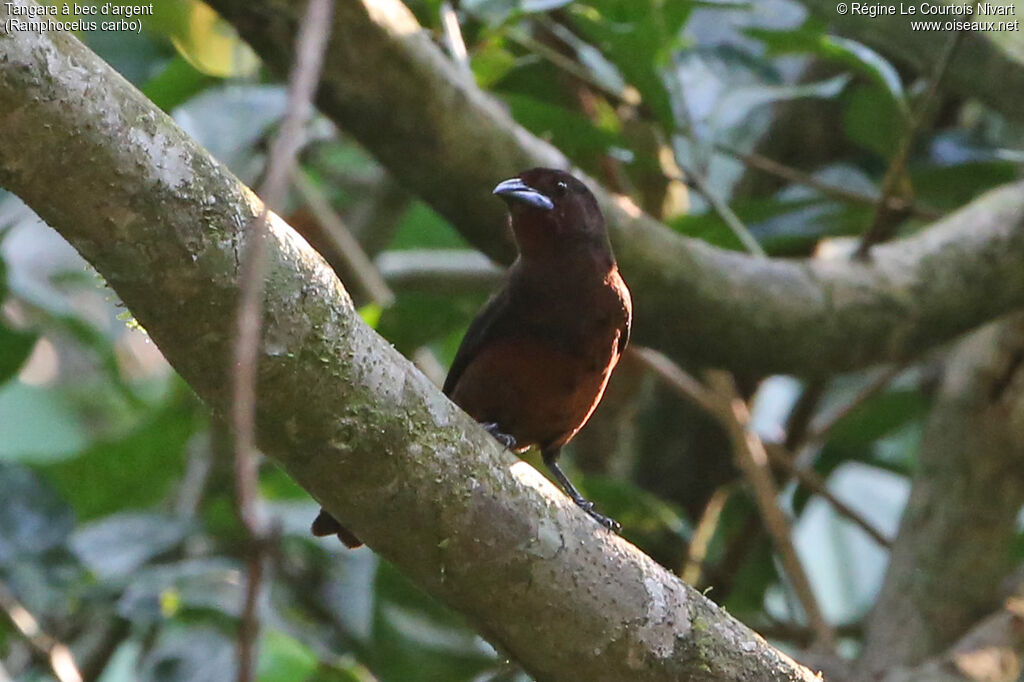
[(535, 361)]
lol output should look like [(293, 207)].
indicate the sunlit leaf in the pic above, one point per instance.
[(212, 45), (490, 62)]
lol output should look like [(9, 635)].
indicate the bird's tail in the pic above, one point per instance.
[(325, 525)]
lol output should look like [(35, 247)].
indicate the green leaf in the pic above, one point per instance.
[(542, 5), (810, 38), (283, 658), (33, 518), (421, 227), (869, 62), (948, 187), (872, 121), (639, 38), (209, 43), (158, 592), (118, 545), (420, 317), (491, 61), (197, 654), (370, 314), (177, 82), (38, 424), (879, 416), (570, 131), (416, 638), (15, 347), (135, 471), (739, 103), (779, 225)]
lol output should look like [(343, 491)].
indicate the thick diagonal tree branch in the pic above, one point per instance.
[(348, 417), (388, 84)]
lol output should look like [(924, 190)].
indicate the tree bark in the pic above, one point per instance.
[(387, 84), (350, 419), (954, 548)]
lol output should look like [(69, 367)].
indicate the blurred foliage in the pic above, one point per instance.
[(116, 506)]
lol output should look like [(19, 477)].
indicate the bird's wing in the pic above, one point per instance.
[(481, 330)]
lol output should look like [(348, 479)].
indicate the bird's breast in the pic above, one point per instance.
[(539, 393)]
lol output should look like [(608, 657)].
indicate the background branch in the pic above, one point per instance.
[(953, 549), (389, 86), (981, 70), (752, 459), (57, 654)]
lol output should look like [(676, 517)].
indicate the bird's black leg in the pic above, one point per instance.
[(505, 439), (550, 455)]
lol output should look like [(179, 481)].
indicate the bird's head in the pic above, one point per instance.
[(552, 212)]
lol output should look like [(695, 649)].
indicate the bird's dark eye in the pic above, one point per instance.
[(561, 189)]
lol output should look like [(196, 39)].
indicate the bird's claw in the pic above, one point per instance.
[(608, 522), (505, 439)]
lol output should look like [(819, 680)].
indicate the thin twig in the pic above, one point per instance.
[(347, 246), (691, 389), (198, 464), (697, 553), (801, 634), (896, 172), (310, 45), (376, 219), (427, 362), (816, 484), (629, 96), (799, 177), (677, 378), (97, 659), (799, 419), (724, 211), (751, 453), (752, 459), (62, 662), (453, 37), (448, 270), (823, 423)]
